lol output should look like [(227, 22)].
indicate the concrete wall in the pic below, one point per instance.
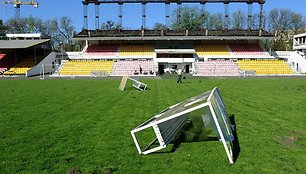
[(48, 61)]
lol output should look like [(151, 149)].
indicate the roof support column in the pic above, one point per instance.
[(250, 15), (226, 16), (97, 7), (203, 11), (261, 17), (167, 13), (143, 16), (120, 15), (85, 14)]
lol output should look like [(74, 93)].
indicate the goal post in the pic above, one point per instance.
[(162, 128)]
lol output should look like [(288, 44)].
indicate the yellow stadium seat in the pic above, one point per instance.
[(209, 50), (266, 66), (86, 67)]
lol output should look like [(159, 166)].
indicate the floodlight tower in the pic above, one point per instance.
[(17, 5)]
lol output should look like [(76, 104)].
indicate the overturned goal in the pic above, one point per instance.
[(164, 126), (136, 84)]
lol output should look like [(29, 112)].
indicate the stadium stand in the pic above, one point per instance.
[(265, 66), (86, 67), (102, 50), (247, 50), (136, 51), (21, 68), (208, 50), (5, 63), (217, 68), (132, 67)]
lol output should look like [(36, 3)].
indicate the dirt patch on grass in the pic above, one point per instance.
[(108, 170), (301, 88), (73, 171), (290, 141)]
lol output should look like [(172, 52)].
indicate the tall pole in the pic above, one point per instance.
[(85, 14), (226, 16), (97, 13), (120, 15), (143, 16), (261, 17), (167, 13), (250, 15), (203, 11)]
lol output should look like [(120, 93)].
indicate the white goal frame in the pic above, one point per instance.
[(136, 84), (159, 123)]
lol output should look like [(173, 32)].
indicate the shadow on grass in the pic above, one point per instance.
[(192, 132), (236, 145), (195, 132)]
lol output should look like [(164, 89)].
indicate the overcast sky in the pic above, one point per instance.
[(49, 9)]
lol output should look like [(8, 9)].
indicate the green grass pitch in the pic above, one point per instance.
[(83, 125)]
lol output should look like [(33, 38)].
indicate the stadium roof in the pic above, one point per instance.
[(20, 44), (172, 1), (154, 35), (27, 35)]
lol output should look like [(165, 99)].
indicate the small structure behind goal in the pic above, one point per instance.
[(164, 126), (136, 84)]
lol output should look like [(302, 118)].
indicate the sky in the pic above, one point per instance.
[(50, 9)]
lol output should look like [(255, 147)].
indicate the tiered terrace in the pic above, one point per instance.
[(217, 68)]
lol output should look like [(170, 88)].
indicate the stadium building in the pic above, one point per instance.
[(21, 52), (146, 52), (299, 43)]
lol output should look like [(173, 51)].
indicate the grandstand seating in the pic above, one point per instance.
[(102, 50), (21, 68), (136, 51), (132, 67), (266, 66), (217, 68), (209, 50), (86, 67), (24, 64), (5, 63), (247, 50)]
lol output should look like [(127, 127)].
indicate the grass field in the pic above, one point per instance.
[(59, 126)]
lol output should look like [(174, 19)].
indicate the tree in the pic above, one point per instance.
[(61, 31), (110, 25), (3, 30), (215, 21), (159, 26), (18, 26), (298, 23), (273, 18), (239, 19), (285, 19), (190, 19), (256, 21)]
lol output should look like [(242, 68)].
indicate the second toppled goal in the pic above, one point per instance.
[(136, 84)]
